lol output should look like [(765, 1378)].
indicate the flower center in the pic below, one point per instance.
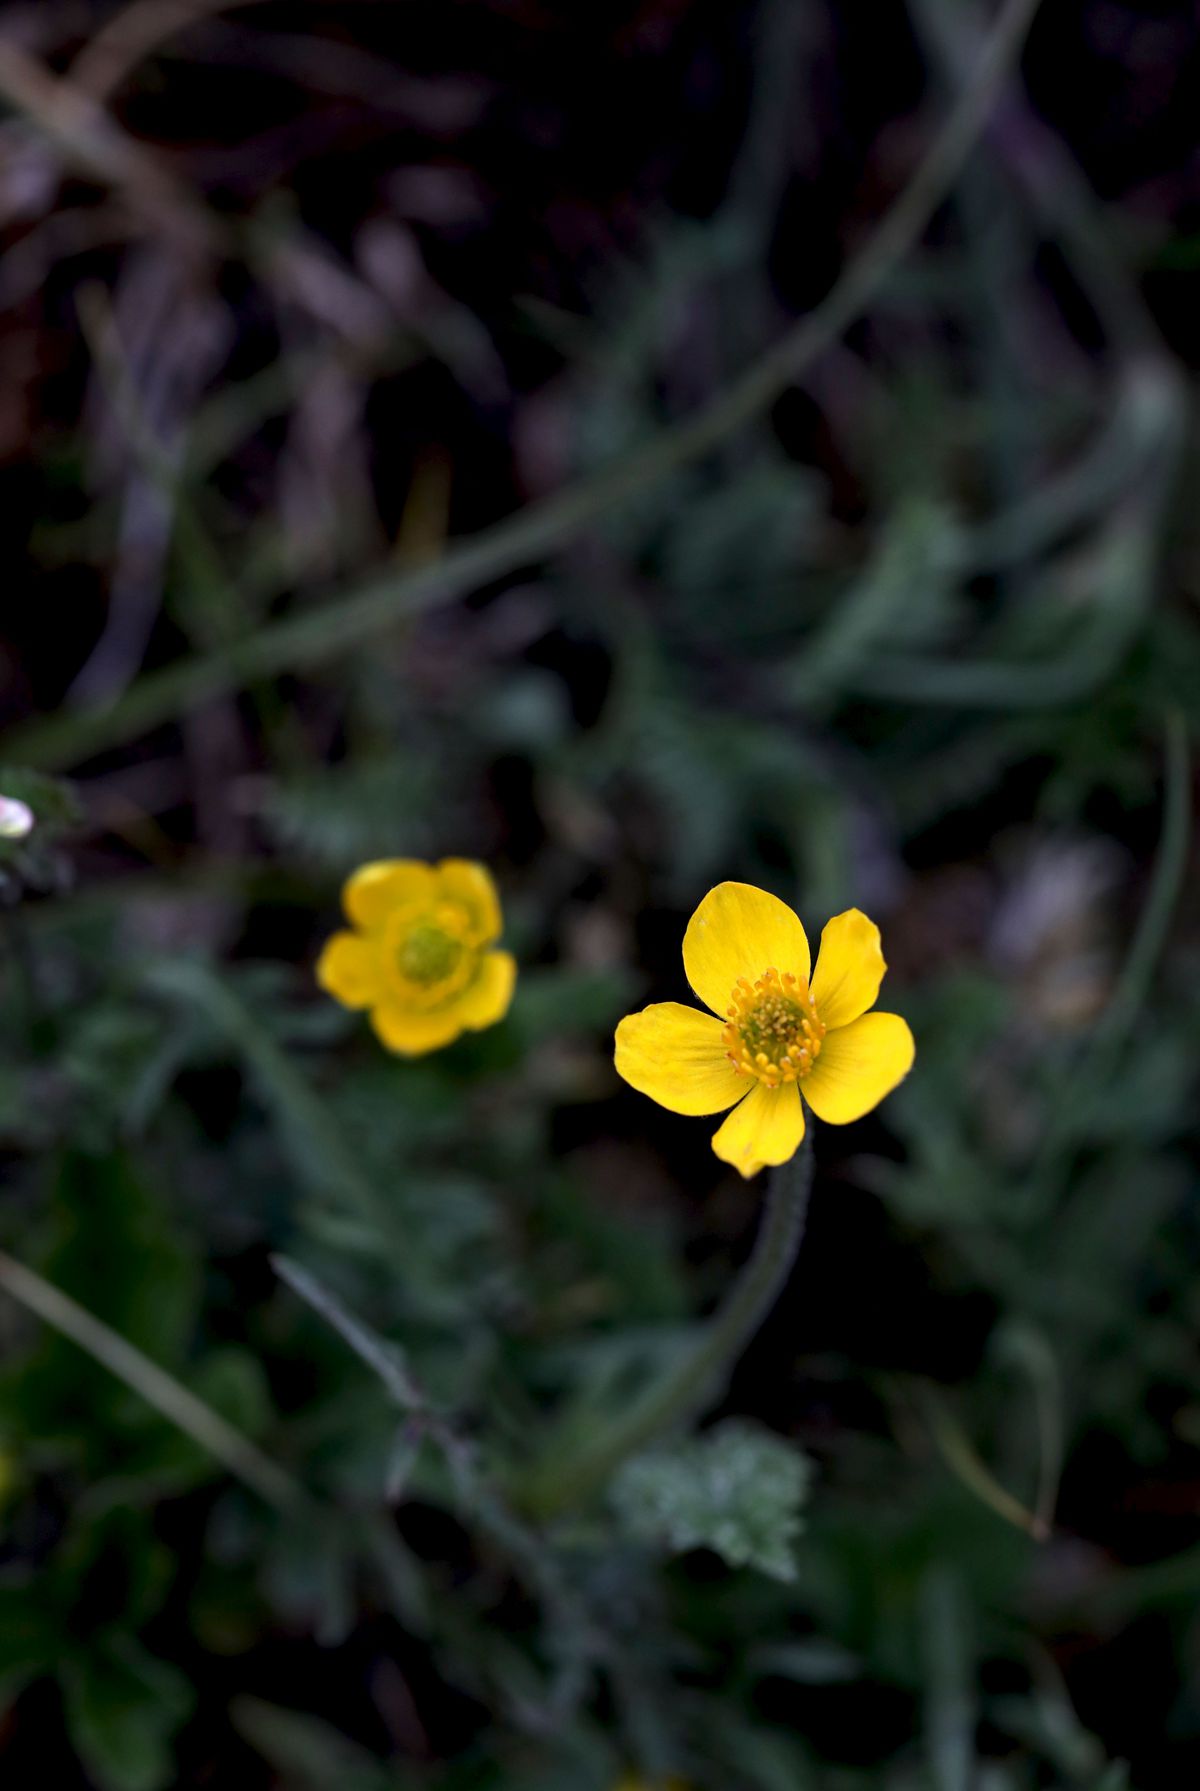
[(428, 955), (773, 1032)]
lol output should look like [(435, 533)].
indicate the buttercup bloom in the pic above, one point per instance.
[(418, 957), (780, 1031)]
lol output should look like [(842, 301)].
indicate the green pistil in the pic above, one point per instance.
[(429, 956), (773, 1025)]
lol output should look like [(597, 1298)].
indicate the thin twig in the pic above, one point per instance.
[(543, 527), (384, 1358), (86, 136)]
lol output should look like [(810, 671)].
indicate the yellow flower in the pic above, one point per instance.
[(746, 955), (418, 957)]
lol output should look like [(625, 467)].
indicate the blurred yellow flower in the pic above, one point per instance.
[(746, 955), (418, 956)]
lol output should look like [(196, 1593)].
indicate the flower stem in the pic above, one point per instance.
[(696, 1379)]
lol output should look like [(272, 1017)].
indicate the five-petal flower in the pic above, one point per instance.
[(782, 1027), (419, 955)]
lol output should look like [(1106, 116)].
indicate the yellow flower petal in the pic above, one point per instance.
[(469, 886), (849, 968), (375, 890), (349, 970), (413, 1034), (489, 996), (859, 1064), (766, 1128), (676, 1055), (740, 931)]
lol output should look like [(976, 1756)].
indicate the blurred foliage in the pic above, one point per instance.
[(329, 291)]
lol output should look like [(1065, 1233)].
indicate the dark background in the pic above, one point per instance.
[(292, 298)]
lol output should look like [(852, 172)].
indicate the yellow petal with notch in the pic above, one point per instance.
[(766, 1128), (849, 968), (741, 931)]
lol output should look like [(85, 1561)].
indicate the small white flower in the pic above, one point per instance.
[(16, 818)]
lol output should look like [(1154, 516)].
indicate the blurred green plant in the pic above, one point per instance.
[(312, 1315)]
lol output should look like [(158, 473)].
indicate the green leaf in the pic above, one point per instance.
[(309, 1752), (738, 1490), (553, 1000), (112, 1569), (119, 1062), (123, 1708), (114, 1249)]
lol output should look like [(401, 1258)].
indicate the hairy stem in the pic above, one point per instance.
[(694, 1380)]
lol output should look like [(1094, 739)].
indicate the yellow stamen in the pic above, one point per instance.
[(774, 1030)]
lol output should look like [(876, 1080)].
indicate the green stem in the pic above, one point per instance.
[(158, 1388), (694, 1380), (1074, 1113), (1170, 870)]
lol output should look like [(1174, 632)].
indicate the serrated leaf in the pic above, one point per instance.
[(737, 1490)]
